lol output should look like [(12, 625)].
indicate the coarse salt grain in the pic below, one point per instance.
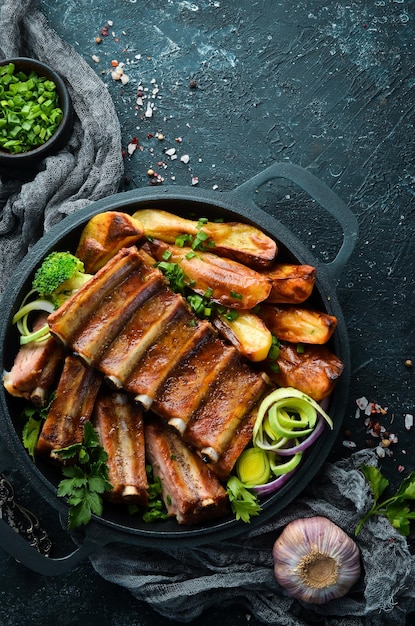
[(362, 403), (149, 110), (409, 421), (381, 452), (185, 158), (349, 444)]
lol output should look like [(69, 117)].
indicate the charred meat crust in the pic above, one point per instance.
[(72, 407), (69, 320), (213, 426), (111, 313), (191, 491), (120, 427)]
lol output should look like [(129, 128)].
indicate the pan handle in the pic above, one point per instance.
[(321, 193), (22, 538), (17, 547)]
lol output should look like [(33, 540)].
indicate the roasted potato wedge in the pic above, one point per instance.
[(228, 282), (104, 235), (298, 325), (247, 333), (314, 371), (291, 284), (233, 240)]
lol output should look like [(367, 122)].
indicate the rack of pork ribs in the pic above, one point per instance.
[(159, 385)]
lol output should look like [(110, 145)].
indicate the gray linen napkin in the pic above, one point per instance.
[(182, 584), (88, 168)]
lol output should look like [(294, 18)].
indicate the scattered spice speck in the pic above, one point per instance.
[(349, 444), (409, 421)]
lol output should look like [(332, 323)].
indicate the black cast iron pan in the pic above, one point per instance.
[(116, 525)]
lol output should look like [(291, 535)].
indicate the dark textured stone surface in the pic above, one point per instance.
[(329, 86)]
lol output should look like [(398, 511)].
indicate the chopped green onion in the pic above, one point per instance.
[(236, 295), (29, 110)]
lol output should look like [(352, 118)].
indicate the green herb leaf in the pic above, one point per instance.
[(155, 509), (34, 417), (398, 517), (407, 487), (86, 479), (378, 483), (30, 435), (244, 503), (397, 508)]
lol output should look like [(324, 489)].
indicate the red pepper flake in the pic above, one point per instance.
[(104, 31), (400, 468)]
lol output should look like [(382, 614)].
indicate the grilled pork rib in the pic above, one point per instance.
[(191, 491), (112, 312), (72, 407), (189, 381), (230, 397), (120, 427), (36, 368), (71, 318), (179, 337), (141, 331), (161, 336)]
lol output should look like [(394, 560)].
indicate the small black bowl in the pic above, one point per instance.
[(23, 164)]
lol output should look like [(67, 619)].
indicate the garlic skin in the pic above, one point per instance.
[(315, 560)]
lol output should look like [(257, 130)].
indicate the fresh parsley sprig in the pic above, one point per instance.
[(87, 477), (244, 503), (34, 418), (398, 509)]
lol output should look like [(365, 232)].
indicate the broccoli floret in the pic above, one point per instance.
[(59, 276)]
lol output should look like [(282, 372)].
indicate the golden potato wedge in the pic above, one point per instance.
[(228, 282), (314, 371), (104, 235), (247, 333), (291, 284), (298, 325), (234, 240)]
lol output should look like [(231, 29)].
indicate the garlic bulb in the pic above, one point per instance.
[(315, 560)]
